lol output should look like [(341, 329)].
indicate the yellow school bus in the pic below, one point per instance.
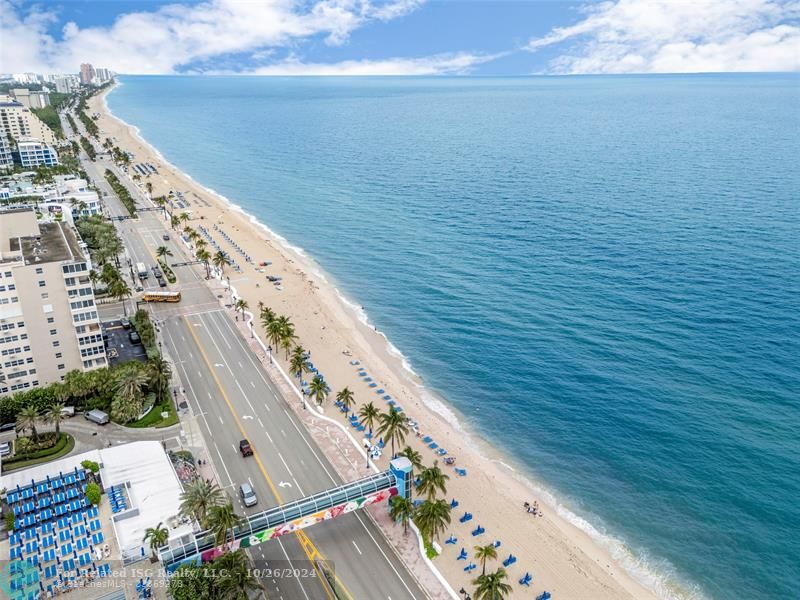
[(162, 297)]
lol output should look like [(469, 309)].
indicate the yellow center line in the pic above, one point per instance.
[(306, 544)]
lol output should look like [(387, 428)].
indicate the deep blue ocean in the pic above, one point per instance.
[(601, 274)]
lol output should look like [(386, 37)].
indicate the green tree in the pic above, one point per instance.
[(198, 498), (241, 305), (318, 389), (93, 493), (174, 222), (220, 260), (401, 510), (184, 217), (191, 583), (120, 291), (163, 252), (237, 581), (491, 586), (204, 257), (54, 416), (298, 365), (484, 553), (287, 335), (275, 333), (26, 421), (160, 373), (267, 315), (393, 427), (432, 518), (157, 536), (127, 403), (432, 480), (346, 398), (221, 521), (23, 445), (368, 416)]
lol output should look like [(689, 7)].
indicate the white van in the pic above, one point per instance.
[(97, 416)]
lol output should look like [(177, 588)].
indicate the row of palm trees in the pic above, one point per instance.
[(116, 286), (218, 259)]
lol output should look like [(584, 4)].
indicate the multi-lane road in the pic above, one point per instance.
[(232, 398)]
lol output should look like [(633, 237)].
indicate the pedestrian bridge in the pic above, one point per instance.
[(294, 516)]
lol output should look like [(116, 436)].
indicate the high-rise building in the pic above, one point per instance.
[(6, 158), (18, 121), (48, 318), (87, 74), (25, 78), (33, 153), (101, 75), (66, 84), (31, 99)]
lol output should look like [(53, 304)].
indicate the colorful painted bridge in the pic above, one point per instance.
[(297, 515)]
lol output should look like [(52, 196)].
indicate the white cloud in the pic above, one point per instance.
[(168, 38), (679, 36), (439, 64)]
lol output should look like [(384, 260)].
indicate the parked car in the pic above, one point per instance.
[(161, 282), (5, 450), (68, 411), (134, 337), (245, 449), (97, 416), (8, 426), (248, 495), (126, 322), (156, 271), (165, 237)]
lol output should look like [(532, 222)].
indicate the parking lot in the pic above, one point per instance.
[(118, 344)]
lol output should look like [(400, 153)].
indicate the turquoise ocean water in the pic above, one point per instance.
[(601, 274)]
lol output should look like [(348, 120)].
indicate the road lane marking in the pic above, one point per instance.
[(220, 420), (224, 466), (308, 547), (260, 423), (356, 547)]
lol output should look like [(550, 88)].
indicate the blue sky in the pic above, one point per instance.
[(401, 37)]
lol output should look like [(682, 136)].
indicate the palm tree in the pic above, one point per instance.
[(160, 373), (157, 537), (267, 314), (393, 427), (198, 497), (484, 553), (162, 252), (368, 416), (432, 518), (241, 305), (220, 260), (174, 221), (189, 232), (236, 581), (120, 291), (401, 509), (26, 419), (298, 365), (221, 521), (129, 394), (491, 586), (204, 256), (318, 389), (184, 217), (414, 457), (287, 335), (432, 480), (54, 415), (346, 398), (274, 332)]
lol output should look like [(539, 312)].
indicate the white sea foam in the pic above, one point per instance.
[(655, 574)]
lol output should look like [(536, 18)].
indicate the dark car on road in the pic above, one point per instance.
[(245, 449), (161, 282), (134, 337)]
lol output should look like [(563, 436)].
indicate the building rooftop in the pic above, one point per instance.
[(56, 242)]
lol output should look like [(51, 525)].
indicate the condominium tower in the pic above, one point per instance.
[(17, 121), (48, 318)]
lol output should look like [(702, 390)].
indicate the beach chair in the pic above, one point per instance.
[(544, 596), (478, 531), (453, 503), (433, 445), (509, 561), (380, 391), (526, 579), (497, 543), (451, 540), (427, 439), (466, 517), (470, 567), (462, 555), (441, 452), (461, 472)]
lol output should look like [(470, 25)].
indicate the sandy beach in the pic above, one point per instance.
[(562, 558)]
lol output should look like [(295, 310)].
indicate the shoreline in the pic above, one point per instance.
[(562, 549)]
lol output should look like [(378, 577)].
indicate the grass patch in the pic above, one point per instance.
[(63, 447), (430, 551), (153, 418)]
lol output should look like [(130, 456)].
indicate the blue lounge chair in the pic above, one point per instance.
[(380, 391), (451, 540), (470, 567), (462, 555), (441, 452), (461, 472), (433, 445), (453, 503), (526, 579), (544, 596), (478, 531), (427, 439), (373, 384), (387, 397), (509, 561), (497, 543), (465, 517)]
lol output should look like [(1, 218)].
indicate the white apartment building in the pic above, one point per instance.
[(66, 84), (48, 318), (6, 158), (18, 121), (32, 153)]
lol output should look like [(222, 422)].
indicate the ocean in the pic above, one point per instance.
[(600, 274)]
